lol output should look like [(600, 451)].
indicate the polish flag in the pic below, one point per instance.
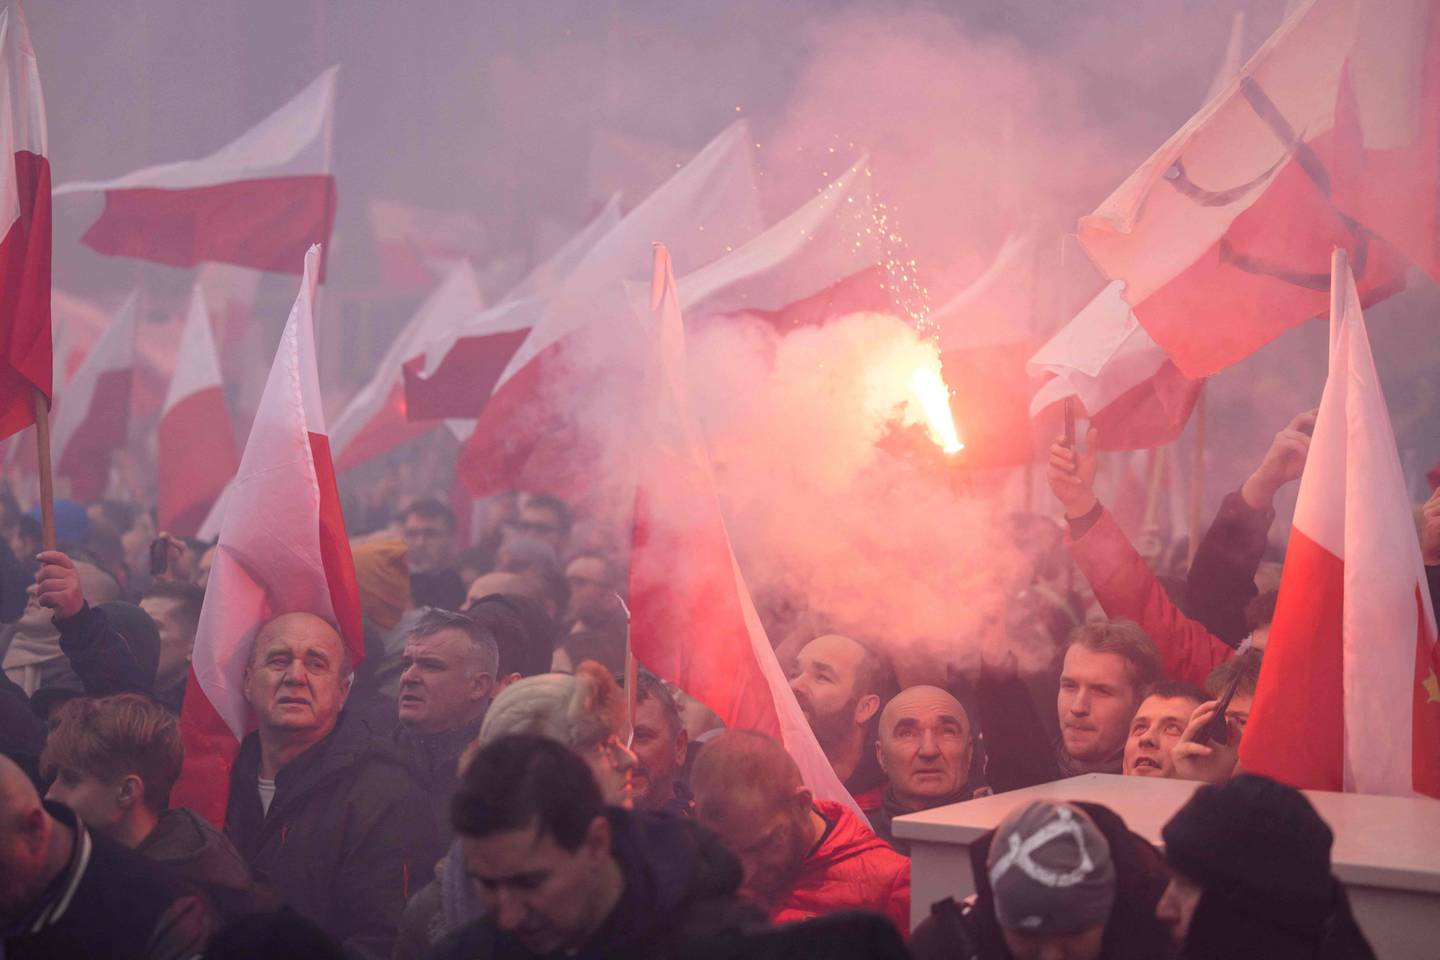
[(985, 336), (92, 417), (692, 618), (416, 246), (282, 549), (524, 436), (375, 421), (1126, 386), (259, 201), (463, 363), (196, 445), (1222, 238), (26, 362), (1348, 697)]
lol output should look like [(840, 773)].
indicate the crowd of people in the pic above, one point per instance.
[(479, 785)]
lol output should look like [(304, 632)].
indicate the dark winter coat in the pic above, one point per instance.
[(970, 931), (1222, 927), (435, 759), (1221, 580), (109, 903), (204, 861), (1018, 753), (348, 838), (680, 888), (105, 659)]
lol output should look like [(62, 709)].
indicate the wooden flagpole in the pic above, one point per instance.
[(1197, 486), (47, 487)]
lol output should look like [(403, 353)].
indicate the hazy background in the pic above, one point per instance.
[(978, 116)]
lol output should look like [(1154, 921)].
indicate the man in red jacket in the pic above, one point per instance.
[(802, 857)]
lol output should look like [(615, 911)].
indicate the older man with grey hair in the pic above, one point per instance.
[(324, 812), (449, 663)]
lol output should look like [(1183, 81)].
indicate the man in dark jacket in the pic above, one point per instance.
[(68, 892), (1054, 879), (328, 815), (450, 662), (1251, 864), (114, 761), (925, 748), (1108, 670), (560, 872)]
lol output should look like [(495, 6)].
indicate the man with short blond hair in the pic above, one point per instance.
[(113, 761), (330, 816)]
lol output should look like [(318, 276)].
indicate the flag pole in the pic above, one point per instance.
[(42, 457), (1197, 486)]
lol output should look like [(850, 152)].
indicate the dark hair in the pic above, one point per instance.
[(522, 780), (650, 687), (543, 501), (604, 645), (874, 674), (1260, 611), (115, 736), (1123, 637), (430, 509), (523, 632), (1170, 689), (188, 598), (1246, 664), (434, 620)]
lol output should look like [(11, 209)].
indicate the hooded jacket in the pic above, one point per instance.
[(1126, 588), (348, 837), (680, 888), (203, 860), (970, 931), (851, 869)]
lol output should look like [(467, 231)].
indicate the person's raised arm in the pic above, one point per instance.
[(1221, 579), (98, 653), (1124, 586)]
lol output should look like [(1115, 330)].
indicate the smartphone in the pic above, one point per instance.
[(1217, 730), (159, 556), (1070, 422)]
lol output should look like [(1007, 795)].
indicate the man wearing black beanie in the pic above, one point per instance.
[(1251, 865)]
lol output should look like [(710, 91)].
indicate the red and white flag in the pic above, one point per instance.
[(416, 246), (1348, 697), (282, 549), (375, 421), (196, 444), (985, 335), (1223, 237), (463, 363), (522, 439), (92, 417), (692, 618), (1127, 387), (260, 201), (26, 361)]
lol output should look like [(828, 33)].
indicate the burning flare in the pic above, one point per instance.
[(934, 398)]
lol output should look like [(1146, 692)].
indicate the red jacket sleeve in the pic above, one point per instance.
[(1125, 587)]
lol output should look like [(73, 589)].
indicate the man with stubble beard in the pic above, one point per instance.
[(842, 685)]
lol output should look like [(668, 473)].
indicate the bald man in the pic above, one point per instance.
[(68, 892), (925, 746), (802, 857), (841, 684), (329, 815)]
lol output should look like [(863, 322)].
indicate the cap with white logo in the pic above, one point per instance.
[(1050, 870)]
